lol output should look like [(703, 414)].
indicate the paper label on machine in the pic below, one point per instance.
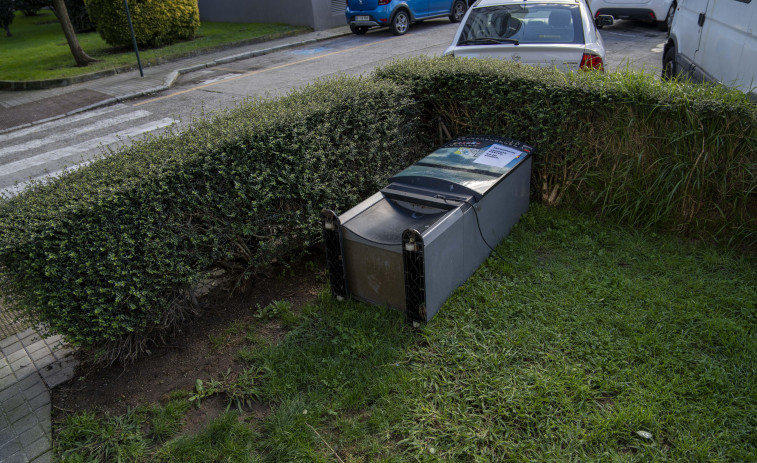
[(498, 156)]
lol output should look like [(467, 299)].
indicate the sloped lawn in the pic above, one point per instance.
[(578, 341), (38, 49)]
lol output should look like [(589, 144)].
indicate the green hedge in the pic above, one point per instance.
[(676, 157), (110, 254), (155, 22)]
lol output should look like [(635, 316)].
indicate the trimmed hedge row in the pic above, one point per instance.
[(671, 156), (110, 254), (155, 22)]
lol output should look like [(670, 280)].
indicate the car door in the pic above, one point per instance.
[(689, 31), (725, 32), (439, 7)]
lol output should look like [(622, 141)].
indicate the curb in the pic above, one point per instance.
[(173, 76), (22, 85)]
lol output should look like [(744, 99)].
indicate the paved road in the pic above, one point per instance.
[(45, 149)]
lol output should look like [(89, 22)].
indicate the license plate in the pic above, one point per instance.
[(362, 18)]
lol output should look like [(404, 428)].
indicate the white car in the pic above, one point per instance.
[(714, 41), (656, 11), (551, 33)]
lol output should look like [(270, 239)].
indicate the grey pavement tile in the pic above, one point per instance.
[(19, 413), (46, 457), (5, 368), (63, 352), (40, 400), (24, 421), (15, 356), (9, 391), (7, 435), (13, 347), (40, 447), (35, 391), (4, 343), (43, 412), (6, 382), (35, 346), (28, 381), (22, 366), (59, 377), (12, 403), (4, 423), (31, 436), (28, 336), (8, 448), (19, 457)]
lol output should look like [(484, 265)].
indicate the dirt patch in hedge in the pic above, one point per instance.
[(204, 348)]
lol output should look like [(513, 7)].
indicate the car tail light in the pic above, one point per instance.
[(591, 61), (384, 2)]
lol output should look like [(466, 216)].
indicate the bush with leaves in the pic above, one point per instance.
[(155, 22), (673, 156), (109, 255)]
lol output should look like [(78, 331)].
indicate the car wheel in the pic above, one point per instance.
[(669, 66), (458, 11), (358, 30), (400, 22)]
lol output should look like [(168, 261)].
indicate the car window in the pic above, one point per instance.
[(532, 23)]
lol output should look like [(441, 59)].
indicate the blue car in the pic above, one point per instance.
[(399, 14)]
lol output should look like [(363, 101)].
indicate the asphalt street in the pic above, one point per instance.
[(45, 149)]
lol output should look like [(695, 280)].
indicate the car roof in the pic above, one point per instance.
[(482, 3)]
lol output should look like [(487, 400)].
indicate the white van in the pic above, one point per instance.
[(715, 41)]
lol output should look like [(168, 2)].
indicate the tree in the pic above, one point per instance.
[(6, 15), (81, 58)]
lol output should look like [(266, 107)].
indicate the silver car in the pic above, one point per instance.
[(551, 33)]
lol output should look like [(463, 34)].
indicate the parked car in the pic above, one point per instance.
[(399, 14), (655, 11), (714, 41), (553, 33)]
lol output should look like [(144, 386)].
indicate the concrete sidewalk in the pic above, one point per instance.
[(23, 108), (31, 365)]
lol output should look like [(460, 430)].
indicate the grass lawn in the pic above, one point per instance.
[(38, 49), (582, 342)]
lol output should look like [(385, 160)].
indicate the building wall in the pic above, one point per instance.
[(318, 14)]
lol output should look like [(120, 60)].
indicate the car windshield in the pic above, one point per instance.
[(523, 23)]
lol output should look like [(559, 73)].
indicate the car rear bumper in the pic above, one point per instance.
[(365, 23), (643, 14)]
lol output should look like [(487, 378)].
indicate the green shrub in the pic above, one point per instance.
[(109, 255), (647, 153), (156, 22)]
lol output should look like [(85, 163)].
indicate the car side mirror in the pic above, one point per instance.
[(604, 20)]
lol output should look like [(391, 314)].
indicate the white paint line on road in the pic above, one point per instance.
[(63, 135), (220, 78), (659, 48), (59, 122), (78, 148)]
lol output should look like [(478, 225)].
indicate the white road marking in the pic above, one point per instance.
[(78, 148), (220, 78), (59, 122), (60, 136)]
